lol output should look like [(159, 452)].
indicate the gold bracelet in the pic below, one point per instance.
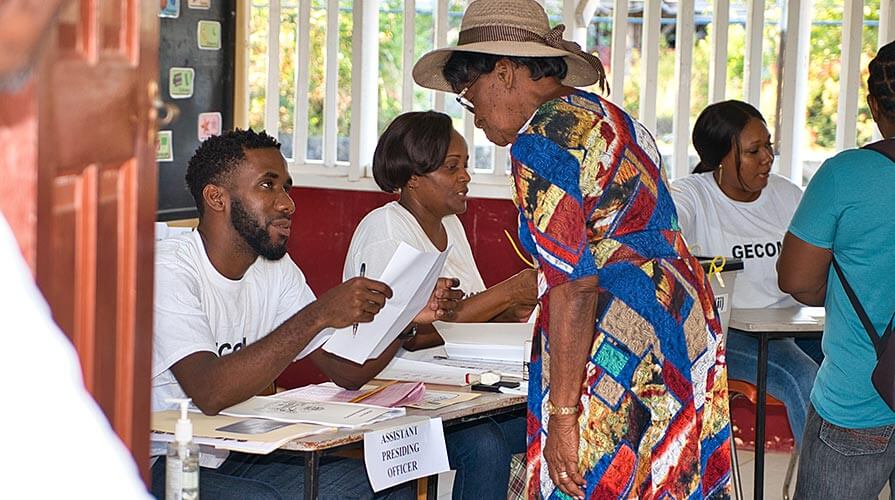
[(552, 409)]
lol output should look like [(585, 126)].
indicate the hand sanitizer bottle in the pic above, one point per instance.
[(182, 461)]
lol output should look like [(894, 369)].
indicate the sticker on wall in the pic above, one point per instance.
[(180, 82), (171, 9), (209, 125), (209, 35), (164, 147), (199, 4)]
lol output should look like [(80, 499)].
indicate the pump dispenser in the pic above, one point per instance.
[(182, 461)]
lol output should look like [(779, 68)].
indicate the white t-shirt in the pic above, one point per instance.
[(198, 309), (59, 444), (381, 232), (714, 224)]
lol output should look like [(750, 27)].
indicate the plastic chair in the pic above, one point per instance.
[(741, 388)]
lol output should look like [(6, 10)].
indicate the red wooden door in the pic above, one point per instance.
[(85, 207)]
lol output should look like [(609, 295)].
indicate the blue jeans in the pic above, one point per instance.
[(791, 373), (836, 462), (514, 431), (480, 453), (280, 476)]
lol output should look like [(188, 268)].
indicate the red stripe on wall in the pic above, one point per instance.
[(324, 223)]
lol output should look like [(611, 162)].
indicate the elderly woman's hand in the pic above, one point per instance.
[(561, 454)]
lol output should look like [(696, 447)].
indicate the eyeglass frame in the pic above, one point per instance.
[(463, 101)]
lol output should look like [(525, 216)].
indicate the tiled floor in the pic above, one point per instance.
[(775, 471)]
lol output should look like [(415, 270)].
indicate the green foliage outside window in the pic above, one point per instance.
[(822, 90)]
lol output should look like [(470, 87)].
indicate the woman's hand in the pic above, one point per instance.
[(442, 303), (561, 455), (572, 310)]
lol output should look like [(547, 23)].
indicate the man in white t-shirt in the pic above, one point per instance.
[(232, 312)]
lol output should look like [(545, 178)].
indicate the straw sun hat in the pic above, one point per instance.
[(511, 28)]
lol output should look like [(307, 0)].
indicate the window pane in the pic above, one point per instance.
[(423, 99), (391, 50), (288, 33), (317, 74), (346, 26), (257, 64)]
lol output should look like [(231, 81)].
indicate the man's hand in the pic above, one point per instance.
[(442, 302), (354, 301)]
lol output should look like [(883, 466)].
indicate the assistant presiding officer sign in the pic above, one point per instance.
[(404, 452)]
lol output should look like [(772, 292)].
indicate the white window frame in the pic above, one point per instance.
[(356, 175)]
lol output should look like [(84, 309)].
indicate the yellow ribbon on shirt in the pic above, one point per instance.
[(717, 267), (516, 249)]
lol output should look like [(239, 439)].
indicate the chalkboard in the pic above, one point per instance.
[(211, 71)]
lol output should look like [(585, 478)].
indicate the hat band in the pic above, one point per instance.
[(553, 38), (494, 33)]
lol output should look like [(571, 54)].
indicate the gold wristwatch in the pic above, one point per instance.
[(560, 410)]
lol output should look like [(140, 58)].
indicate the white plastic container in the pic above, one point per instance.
[(182, 461), (723, 288)]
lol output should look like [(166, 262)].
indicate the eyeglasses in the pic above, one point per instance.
[(462, 100)]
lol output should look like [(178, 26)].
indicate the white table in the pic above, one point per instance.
[(765, 325), (792, 319)]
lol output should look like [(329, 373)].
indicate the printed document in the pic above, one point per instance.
[(232, 433), (407, 369), (348, 415), (412, 276), (396, 394)]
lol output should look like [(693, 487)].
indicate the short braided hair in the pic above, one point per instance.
[(216, 158), (881, 82)]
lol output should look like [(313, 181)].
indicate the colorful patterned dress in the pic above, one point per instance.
[(593, 200)]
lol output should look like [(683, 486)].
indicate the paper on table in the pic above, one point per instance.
[(314, 412), (434, 400), (206, 431), (412, 275), (407, 369), (510, 369), (400, 394)]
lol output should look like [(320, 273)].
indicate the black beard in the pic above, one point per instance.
[(257, 237)]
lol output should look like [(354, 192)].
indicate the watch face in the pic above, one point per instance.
[(408, 334)]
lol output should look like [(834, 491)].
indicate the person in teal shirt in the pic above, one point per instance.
[(848, 212)]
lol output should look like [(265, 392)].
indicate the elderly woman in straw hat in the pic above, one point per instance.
[(628, 392)]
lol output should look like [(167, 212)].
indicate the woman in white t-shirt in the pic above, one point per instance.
[(733, 205), (422, 158)]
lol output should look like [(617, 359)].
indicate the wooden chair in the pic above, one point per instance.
[(741, 388)]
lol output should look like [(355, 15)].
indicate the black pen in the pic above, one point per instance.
[(363, 269)]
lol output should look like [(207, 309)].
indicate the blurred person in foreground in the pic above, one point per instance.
[(48, 414)]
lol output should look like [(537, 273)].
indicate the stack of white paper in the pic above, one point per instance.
[(485, 341), (412, 276), (313, 412)]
